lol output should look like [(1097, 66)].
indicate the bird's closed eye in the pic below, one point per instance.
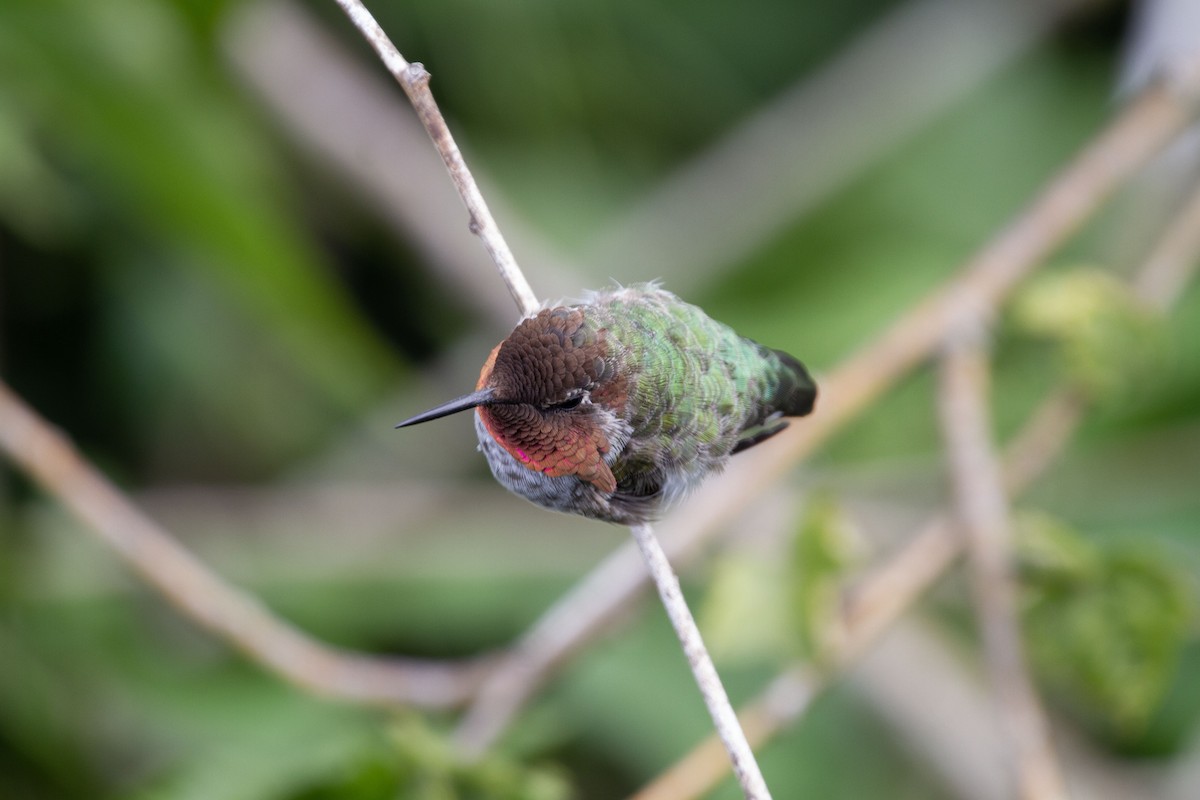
[(566, 405)]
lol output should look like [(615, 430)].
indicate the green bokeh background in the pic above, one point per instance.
[(228, 327)]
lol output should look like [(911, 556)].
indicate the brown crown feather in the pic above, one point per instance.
[(544, 360)]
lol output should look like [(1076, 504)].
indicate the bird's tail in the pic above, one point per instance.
[(797, 391)]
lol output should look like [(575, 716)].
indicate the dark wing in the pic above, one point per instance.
[(794, 395), (759, 433)]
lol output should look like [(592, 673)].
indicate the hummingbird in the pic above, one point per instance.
[(617, 406)]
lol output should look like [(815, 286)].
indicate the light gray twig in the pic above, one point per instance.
[(414, 79), (745, 768)]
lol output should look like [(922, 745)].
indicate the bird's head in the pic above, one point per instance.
[(550, 395)]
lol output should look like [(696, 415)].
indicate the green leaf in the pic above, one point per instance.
[(429, 769), (1109, 343), (1050, 549), (762, 608), (1105, 626), (824, 550), (430, 762)]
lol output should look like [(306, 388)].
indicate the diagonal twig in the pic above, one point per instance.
[(682, 226), (745, 768), (414, 79), (325, 670), (344, 111)]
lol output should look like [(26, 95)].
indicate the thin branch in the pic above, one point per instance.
[(881, 596), (48, 457), (704, 766), (345, 112), (414, 79), (1170, 267), (52, 461), (918, 683), (1138, 132), (338, 108), (984, 516), (938, 704), (745, 768)]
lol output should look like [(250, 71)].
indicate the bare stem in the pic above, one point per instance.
[(698, 772), (745, 768), (414, 79), (883, 594), (49, 458), (1170, 265), (984, 517)]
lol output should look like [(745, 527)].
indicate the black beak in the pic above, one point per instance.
[(453, 407)]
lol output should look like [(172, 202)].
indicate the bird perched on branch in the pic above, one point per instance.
[(618, 405)]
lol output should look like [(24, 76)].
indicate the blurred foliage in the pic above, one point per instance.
[(1106, 625), (420, 765), (196, 301), (823, 554), (763, 607), (1110, 344)]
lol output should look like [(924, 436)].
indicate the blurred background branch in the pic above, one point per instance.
[(201, 595), (414, 79), (983, 516)]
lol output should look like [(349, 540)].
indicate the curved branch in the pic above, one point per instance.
[(200, 594)]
